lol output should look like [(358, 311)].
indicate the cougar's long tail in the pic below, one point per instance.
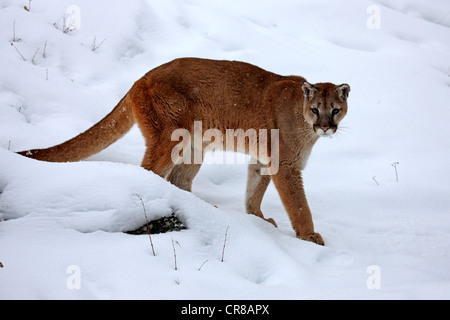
[(104, 133)]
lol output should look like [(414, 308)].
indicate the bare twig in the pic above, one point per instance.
[(12, 44), (394, 164), (44, 53), (66, 27), (148, 227), (174, 255), (94, 46), (55, 24), (34, 56), (29, 6), (14, 39), (224, 243), (375, 180), (202, 264)]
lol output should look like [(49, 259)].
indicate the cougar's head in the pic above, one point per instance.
[(324, 106)]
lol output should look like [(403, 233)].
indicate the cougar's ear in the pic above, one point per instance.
[(342, 91), (309, 90)]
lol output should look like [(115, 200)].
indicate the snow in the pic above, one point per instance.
[(61, 224)]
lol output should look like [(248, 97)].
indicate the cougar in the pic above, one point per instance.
[(222, 95)]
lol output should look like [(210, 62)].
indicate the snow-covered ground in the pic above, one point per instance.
[(60, 224)]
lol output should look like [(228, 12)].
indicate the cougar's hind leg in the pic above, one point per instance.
[(158, 159), (182, 175), (185, 170), (256, 187)]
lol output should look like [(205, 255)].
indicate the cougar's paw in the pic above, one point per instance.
[(315, 237), (271, 221), (258, 213)]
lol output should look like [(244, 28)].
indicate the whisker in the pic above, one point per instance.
[(344, 128), (338, 136)]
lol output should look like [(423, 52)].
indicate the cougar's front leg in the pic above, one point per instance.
[(288, 181), (256, 187)]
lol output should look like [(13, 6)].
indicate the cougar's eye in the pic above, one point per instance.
[(315, 110), (336, 111)]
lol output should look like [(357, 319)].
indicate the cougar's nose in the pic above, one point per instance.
[(324, 128)]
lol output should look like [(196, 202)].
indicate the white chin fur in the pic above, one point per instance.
[(325, 134)]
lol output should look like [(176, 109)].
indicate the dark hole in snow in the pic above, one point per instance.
[(161, 225)]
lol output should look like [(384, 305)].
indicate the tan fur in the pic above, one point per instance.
[(223, 95)]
